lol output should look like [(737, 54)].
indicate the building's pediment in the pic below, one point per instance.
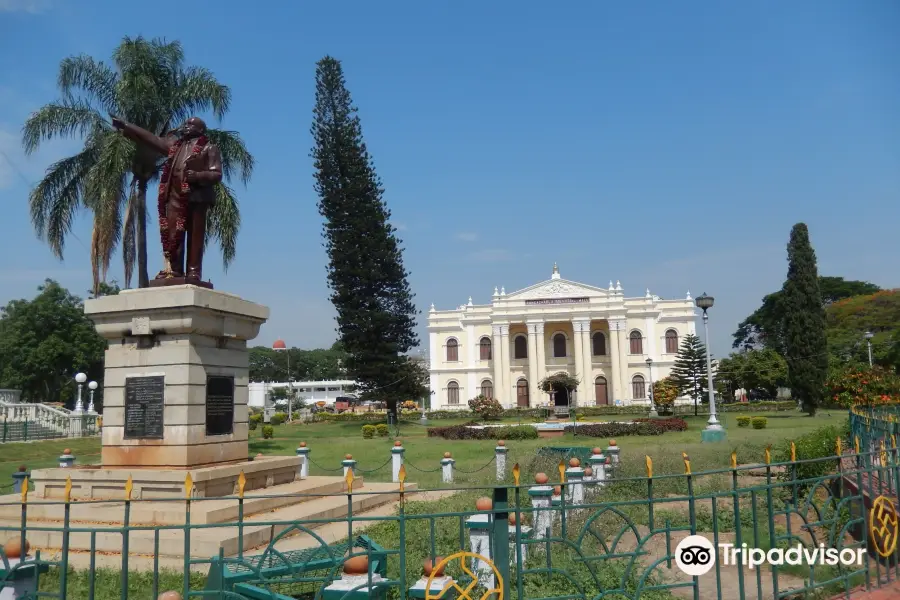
[(557, 288)]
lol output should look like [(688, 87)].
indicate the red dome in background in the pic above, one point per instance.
[(279, 345)]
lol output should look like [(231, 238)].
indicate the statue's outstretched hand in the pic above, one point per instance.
[(117, 123)]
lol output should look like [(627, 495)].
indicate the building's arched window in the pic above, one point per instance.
[(638, 390), (522, 393), (452, 393), (671, 342), (520, 349), (637, 342), (452, 350), (484, 348), (601, 394), (598, 343), (559, 345), (487, 388)]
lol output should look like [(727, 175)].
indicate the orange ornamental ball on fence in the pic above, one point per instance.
[(612, 442), (574, 462), (596, 451), (13, 547), (541, 478), (446, 455), (67, 451), (588, 471), (358, 565), (501, 443), (557, 490), (429, 566), (484, 504), (398, 443), (348, 457), (170, 595), (303, 444)]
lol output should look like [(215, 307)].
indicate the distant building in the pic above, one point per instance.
[(598, 335), (309, 391)]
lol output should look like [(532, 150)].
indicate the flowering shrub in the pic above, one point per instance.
[(664, 392), (486, 408), (868, 387), (462, 432), (670, 424)]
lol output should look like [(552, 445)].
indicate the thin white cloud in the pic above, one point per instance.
[(467, 236), (491, 255), (33, 7)]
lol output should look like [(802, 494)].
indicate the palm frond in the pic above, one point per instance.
[(58, 196), (236, 159), (65, 118), (198, 90), (94, 79), (105, 195), (148, 71), (129, 251), (223, 223)]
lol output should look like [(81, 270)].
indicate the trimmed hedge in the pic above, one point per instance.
[(381, 429), (268, 432), (743, 421), (368, 431), (613, 430), (759, 422), (465, 432), (670, 424)]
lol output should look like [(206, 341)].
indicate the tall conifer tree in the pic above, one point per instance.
[(376, 315), (806, 346), (689, 373)]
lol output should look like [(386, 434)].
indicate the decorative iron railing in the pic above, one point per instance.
[(564, 536)]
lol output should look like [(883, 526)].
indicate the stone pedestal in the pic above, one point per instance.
[(177, 368)]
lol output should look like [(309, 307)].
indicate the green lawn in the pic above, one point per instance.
[(329, 442)]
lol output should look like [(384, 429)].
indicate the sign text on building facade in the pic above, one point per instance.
[(558, 301)]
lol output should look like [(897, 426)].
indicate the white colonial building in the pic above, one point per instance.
[(603, 339)]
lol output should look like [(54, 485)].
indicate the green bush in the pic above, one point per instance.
[(815, 452), (670, 424), (253, 425), (256, 418), (268, 432), (743, 421), (368, 431), (759, 422), (278, 418), (382, 430)]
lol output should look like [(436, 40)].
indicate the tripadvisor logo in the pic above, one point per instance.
[(695, 555)]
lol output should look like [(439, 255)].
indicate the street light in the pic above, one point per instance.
[(869, 336), (653, 413), (92, 386), (280, 346), (714, 431), (80, 378)]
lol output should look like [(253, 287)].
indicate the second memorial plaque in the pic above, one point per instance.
[(219, 405)]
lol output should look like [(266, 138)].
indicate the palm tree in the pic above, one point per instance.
[(150, 86)]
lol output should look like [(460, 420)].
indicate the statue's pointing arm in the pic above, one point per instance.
[(142, 136)]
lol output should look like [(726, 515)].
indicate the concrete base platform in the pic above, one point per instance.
[(712, 435), (304, 505), (98, 483)]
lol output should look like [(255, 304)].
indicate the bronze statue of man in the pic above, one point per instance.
[(186, 192)]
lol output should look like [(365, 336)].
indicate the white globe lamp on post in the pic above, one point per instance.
[(714, 431), (91, 386), (80, 378)]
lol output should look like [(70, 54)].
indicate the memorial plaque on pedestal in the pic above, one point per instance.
[(144, 401), (219, 405)]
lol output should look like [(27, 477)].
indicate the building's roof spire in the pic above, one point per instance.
[(555, 272)]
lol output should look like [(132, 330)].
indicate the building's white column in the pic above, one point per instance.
[(541, 360), (533, 393), (616, 356), (578, 349), (471, 356), (508, 399), (434, 359), (624, 349), (497, 363), (587, 397)]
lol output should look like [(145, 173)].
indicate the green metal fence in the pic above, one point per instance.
[(619, 538)]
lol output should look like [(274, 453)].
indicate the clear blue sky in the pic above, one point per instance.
[(670, 145)]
